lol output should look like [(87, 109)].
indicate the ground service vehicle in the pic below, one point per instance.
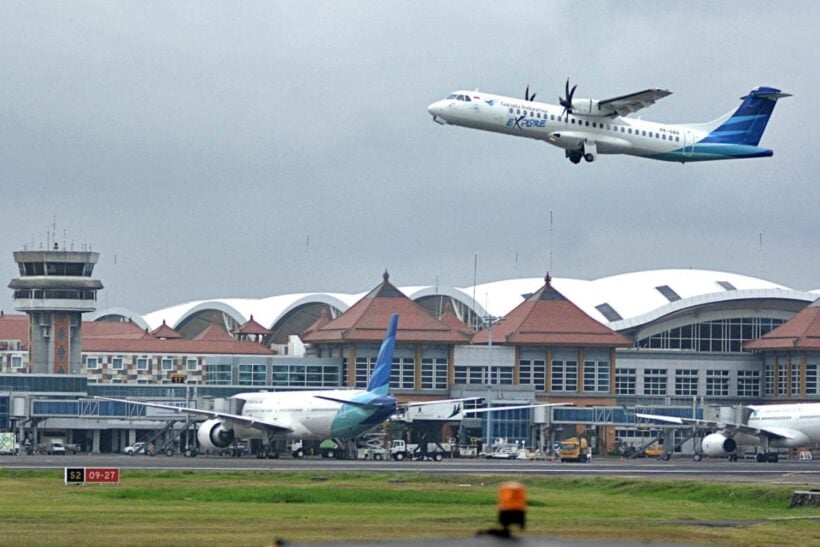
[(654, 450), (8, 444), (56, 447), (400, 450), (136, 448), (574, 449)]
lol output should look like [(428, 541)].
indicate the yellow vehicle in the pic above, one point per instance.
[(654, 450), (575, 449)]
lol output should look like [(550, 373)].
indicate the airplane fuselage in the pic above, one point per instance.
[(585, 136), (311, 417), (800, 422)]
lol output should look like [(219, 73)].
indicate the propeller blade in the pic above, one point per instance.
[(527, 93), (533, 97)]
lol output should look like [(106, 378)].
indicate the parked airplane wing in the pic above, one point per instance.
[(725, 426), (245, 421), (626, 104)]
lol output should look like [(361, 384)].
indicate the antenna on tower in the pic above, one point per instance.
[(550, 259)]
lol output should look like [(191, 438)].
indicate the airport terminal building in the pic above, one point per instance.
[(687, 339)]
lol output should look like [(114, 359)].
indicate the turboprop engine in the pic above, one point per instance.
[(718, 444), (213, 434), (587, 107)]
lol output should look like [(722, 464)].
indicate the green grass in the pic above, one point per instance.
[(196, 508)]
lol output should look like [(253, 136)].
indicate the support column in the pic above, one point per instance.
[(95, 441)]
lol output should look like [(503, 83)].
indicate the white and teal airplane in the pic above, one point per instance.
[(585, 128), (322, 414)]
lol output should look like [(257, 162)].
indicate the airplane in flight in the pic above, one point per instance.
[(298, 415), (585, 128), (772, 426)]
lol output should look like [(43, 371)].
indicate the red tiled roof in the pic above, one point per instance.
[(547, 318), (178, 345), (367, 320), (164, 331), (113, 329), (101, 336), (802, 332), (252, 327), (450, 319), (215, 333)]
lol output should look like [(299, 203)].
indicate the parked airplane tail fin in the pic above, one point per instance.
[(747, 123), (380, 378)]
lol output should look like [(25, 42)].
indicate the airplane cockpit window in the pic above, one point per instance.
[(451, 96)]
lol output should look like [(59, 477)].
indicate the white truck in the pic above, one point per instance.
[(56, 447), (8, 444), (400, 450)]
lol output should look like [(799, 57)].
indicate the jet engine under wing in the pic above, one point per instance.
[(740, 428), (626, 104), (245, 421)]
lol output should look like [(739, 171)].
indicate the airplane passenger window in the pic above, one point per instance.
[(657, 135), (643, 133), (552, 116), (630, 131), (573, 120), (587, 124), (511, 110), (664, 136), (623, 129), (594, 124)]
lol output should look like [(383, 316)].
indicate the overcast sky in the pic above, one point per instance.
[(250, 149)]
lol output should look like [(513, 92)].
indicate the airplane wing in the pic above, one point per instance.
[(730, 427), (245, 421), (626, 104)]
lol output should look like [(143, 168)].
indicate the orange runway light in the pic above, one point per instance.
[(512, 504)]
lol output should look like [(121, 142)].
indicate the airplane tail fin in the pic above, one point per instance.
[(380, 378), (746, 124)]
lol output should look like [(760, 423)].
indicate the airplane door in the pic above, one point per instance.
[(688, 144)]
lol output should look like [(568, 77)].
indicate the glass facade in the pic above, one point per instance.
[(533, 373), (596, 376), (717, 383), (564, 375), (253, 375), (434, 373), (654, 381), (686, 382), (748, 383), (722, 335), (306, 375)]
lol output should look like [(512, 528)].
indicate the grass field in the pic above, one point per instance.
[(204, 508)]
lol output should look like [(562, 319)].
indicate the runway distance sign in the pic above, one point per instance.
[(92, 475)]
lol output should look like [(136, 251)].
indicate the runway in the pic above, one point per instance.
[(785, 472)]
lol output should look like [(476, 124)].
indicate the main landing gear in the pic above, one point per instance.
[(587, 151)]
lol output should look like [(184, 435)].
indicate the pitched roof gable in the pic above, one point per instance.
[(802, 332), (547, 318), (367, 319)]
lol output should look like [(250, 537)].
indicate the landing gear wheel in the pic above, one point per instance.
[(773, 457), (169, 452), (589, 157), (732, 457), (697, 457), (666, 457)]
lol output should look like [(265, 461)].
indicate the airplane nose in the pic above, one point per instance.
[(436, 110)]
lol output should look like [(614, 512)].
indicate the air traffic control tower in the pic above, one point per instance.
[(54, 289)]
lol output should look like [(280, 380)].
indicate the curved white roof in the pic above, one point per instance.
[(635, 297)]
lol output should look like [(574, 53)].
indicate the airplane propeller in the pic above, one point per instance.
[(566, 101), (527, 96)]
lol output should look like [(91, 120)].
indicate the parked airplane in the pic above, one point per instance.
[(585, 128), (326, 414), (338, 414), (772, 426)]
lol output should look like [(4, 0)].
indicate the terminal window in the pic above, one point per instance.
[(625, 380), (748, 383), (433, 373)]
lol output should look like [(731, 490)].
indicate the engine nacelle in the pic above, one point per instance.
[(718, 444), (587, 107), (213, 434)]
